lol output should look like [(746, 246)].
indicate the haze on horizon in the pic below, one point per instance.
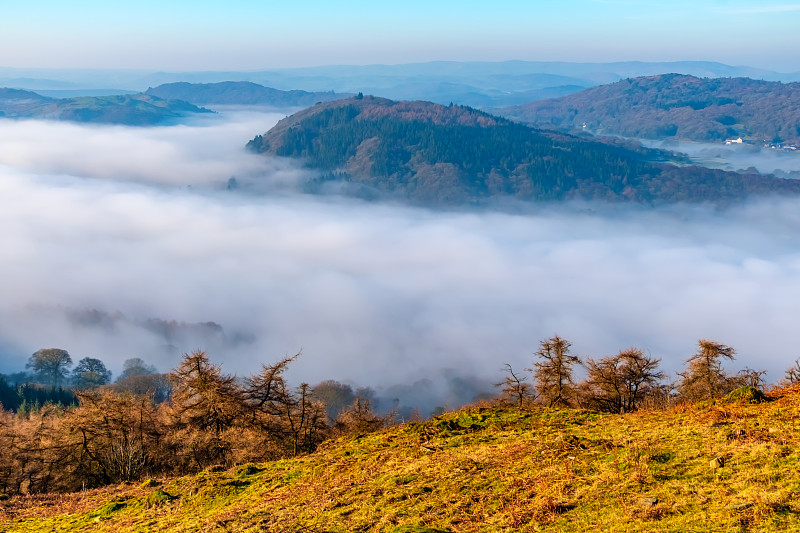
[(251, 35)]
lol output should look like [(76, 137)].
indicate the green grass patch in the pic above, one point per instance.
[(717, 467)]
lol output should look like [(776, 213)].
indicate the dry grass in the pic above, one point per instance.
[(487, 470)]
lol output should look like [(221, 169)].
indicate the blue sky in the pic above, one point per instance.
[(243, 34)]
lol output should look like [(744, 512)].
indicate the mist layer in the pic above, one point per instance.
[(139, 224)]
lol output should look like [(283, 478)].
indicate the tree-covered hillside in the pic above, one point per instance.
[(435, 154), (676, 106)]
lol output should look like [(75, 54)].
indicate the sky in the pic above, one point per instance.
[(183, 35)]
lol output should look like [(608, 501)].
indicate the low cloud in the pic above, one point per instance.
[(373, 294), (207, 152), (783, 163)]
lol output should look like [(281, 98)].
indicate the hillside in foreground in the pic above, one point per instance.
[(432, 154), (708, 467), (676, 106)]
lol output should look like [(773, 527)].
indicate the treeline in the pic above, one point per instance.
[(120, 433), (50, 379), (196, 417), (629, 380)]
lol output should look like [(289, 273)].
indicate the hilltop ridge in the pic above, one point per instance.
[(433, 154), (240, 93), (676, 106), (130, 109)]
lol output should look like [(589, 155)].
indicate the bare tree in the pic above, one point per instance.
[(552, 374), (704, 377), (792, 376), (202, 395), (359, 418), (114, 437), (267, 392), (293, 418), (618, 383), (205, 403), (514, 388), (8, 459), (751, 378), (306, 420)]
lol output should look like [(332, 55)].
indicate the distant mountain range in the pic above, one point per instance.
[(433, 154), (477, 84), (240, 93), (675, 106), (133, 110)]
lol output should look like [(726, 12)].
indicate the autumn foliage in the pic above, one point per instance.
[(210, 420)]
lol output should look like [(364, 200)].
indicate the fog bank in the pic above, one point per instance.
[(784, 163), (101, 218)]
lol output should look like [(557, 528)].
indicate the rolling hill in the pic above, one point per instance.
[(433, 154), (710, 467), (132, 110), (240, 93), (474, 83), (675, 106), (479, 84)]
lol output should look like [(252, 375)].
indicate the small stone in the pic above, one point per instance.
[(558, 505), (740, 506), (717, 462), (648, 502)]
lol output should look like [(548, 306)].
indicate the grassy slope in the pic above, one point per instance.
[(483, 470)]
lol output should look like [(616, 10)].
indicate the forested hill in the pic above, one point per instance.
[(240, 93), (676, 106), (131, 110), (433, 154)]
